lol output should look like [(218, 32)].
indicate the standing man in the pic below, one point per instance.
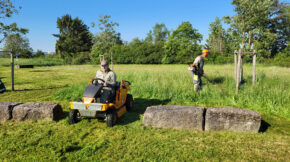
[(110, 80), (197, 69)]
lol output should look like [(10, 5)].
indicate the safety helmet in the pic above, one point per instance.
[(205, 52)]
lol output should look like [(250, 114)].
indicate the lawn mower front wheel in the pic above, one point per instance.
[(111, 118), (74, 116)]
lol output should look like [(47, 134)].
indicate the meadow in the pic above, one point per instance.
[(91, 140)]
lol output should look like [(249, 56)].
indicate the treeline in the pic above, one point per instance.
[(261, 25), (77, 45)]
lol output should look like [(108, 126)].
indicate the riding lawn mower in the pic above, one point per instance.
[(96, 103)]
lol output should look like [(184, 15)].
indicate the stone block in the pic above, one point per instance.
[(233, 119), (37, 111), (6, 110), (177, 117)]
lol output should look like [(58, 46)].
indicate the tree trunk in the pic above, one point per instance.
[(250, 36), (254, 67), (12, 71), (238, 72), (235, 59), (221, 45)]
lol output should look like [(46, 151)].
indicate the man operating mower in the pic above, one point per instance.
[(110, 79), (197, 69)]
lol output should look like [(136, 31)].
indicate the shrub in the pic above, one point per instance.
[(283, 58), (39, 53), (81, 58)]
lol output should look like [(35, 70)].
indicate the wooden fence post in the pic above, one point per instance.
[(112, 61), (235, 58), (238, 72), (254, 67), (241, 68), (12, 71)]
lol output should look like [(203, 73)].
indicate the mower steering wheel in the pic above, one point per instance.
[(97, 79), (127, 82)]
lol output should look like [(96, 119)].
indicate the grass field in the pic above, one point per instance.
[(91, 140)]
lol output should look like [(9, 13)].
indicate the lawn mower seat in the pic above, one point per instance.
[(117, 86)]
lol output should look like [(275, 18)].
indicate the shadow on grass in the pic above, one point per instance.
[(2, 77), (22, 83), (264, 126), (21, 90), (40, 71), (72, 148), (216, 80), (62, 116), (140, 105)]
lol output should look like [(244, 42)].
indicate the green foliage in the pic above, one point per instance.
[(81, 58), (261, 24), (283, 58), (19, 45), (263, 43), (74, 38), (182, 45), (7, 10), (146, 53), (39, 53), (160, 34), (279, 23), (218, 38), (217, 58), (122, 54), (106, 39)]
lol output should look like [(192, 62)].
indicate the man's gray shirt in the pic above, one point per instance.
[(109, 76)]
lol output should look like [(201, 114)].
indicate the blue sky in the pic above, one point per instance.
[(135, 17)]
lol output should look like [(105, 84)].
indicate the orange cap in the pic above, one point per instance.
[(205, 52)]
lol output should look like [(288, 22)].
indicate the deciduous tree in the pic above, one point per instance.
[(257, 25), (7, 9), (182, 45), (106, 39), (160, 34), (217, 40), (18, 45)]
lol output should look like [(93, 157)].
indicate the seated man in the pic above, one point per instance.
[(110, 81)]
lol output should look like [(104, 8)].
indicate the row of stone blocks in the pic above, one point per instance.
[(199, 118), (31, 110)]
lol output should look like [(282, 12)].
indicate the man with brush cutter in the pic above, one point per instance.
[(197, 69)]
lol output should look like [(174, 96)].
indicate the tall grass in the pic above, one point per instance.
[(173, 83)]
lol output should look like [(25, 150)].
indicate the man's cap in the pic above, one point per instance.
[(205, 52), (104, 62)]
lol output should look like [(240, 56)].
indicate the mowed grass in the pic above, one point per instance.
[(91, 140)]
